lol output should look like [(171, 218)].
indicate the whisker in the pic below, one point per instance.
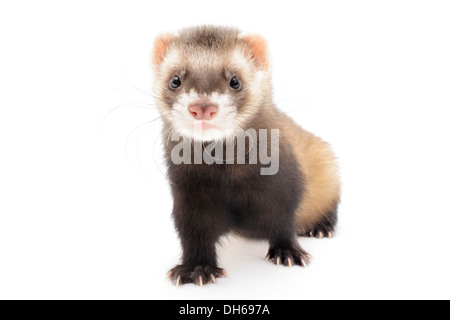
[(154, 159), (138, 143), (129, 81), (147, 93), (170, 130), (128, 105), (134, 130)]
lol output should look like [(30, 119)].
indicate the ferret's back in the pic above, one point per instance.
[(320, 172)]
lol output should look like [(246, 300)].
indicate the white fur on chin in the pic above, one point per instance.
[(222, 125)]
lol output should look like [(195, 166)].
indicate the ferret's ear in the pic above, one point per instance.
[(162, 42), (256, 49)]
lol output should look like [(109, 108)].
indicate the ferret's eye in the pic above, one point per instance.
[(175, 82), (235, 83)]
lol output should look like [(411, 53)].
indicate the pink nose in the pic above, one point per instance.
[(203, 112)]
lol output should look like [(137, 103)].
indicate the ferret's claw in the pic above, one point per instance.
[(302, 262), (289, 262), (289, 257), (169, 275), (222, 274), (320, 235), (199, 275)]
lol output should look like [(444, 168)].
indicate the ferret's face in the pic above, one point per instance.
[(206, 92)]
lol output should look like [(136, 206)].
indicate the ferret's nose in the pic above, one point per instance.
[(203, 112)]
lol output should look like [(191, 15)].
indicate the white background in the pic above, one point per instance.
[(85, 207)]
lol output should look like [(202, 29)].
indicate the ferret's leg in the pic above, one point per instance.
[(199, 265), (286, 251), (323, 228), (199, 227)]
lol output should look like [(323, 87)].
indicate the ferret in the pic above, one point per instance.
[(209, 82)]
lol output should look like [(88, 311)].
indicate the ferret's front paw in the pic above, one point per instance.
[(198, 275), (288, 257)]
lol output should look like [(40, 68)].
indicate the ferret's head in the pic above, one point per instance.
[(210, 81)]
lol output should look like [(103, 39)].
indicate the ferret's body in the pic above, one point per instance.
[(317, 212), (212, 200)]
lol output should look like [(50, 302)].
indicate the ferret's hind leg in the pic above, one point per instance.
[(323, 228)]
